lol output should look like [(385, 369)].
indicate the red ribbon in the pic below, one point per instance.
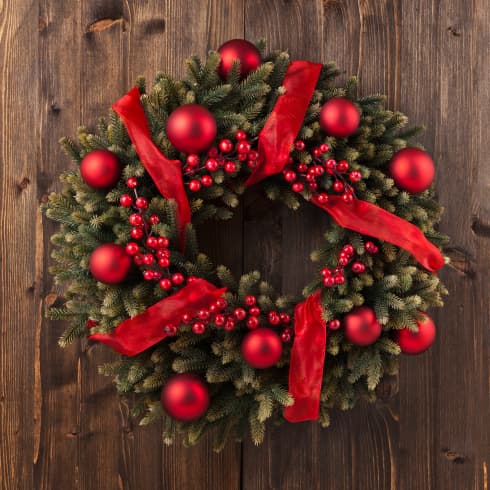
[(166, 174), (307, 360), (139, 333)]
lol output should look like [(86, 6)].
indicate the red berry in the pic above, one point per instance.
[(230, 167), (242, 157), (358, 267), (148, 275), (254, 311), (343, 261), (286, 336), (194, 185), (212, 164), (206, 180), (164, 262), (347, 197), (148, 259), (132, 182), (285, 318), (225, 146), (191, 279), (162, 242), (348, 249), (252, 322), (338, 186), (126, 200), (170, 330), (274, 318), (177, 278), (141, 203), (243, 147), (371, 248), (339, 279), (239, 313), (324, 148), (219, 320), (138, 259), (342, 166), (318, 170), (221, 303), (334, 324), (253, 155), (132, 248), (298, 187), (154, 219), (289, 176), (203, 315), (250, 300), (241, 135), (192, 160), (135, 219), (230, 324), (355, 176), (299, 145), (186, 318), (302, 168), (313, 186), (329, 281), (165, 284), (137, 233), (322, 198), (326, 272), (213, 152), (151, 242), (330, 165), (199, 328), (316, 152)]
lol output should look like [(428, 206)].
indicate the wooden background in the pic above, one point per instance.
[(63, 62)]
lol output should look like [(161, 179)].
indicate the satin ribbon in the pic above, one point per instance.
[(166, 174), (133, 336), (307, 360)]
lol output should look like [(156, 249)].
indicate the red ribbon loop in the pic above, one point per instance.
[(166, 174), (307, 360), (139, 333)]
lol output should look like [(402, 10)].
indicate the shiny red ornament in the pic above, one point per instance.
[(412, 170), (361, 326), (417, 342), (109, 263), (243, 51), (191, 128), (262, 348), (185, 397), (339, 117), (100, 169)]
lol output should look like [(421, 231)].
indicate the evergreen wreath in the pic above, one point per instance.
[(122, 248)]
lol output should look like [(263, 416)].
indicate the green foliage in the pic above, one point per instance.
[(243, 399)]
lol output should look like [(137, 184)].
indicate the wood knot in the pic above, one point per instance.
[(100, 25), (479, 227), (453, 456), (154, 26), (23, 184), (461, 261), (453, 31)]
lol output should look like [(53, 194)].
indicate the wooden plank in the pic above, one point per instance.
[(358, 451), (21, 259), (58, 428), (444, 397)]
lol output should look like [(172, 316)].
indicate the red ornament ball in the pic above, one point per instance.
[(339, 117), (191, 128), (110, 264), (243, 51), (417, 342), (361, 326), (412, 170), (100, 169), (262, 348), (185, 397)]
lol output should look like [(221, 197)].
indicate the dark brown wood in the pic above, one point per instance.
[(63, 63)]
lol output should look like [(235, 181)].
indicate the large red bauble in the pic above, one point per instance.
[(417, 342), (339, 117), (191, 128), (262, 348), (361, 326), (241, 50), (110, 264), (412, 170), (100, 169), (185, 397)]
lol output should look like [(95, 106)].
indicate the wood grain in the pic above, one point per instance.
[(62, 426)]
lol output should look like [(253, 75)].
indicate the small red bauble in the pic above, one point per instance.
[(185, 397), (191, 128), (110, 264), (412, 170), (339, 117), (361, 326), (100, 169), (126, 200), (262, 348), (243, 51), (417, 342)]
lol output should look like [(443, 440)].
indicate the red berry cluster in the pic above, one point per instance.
[(152, 252), (301, 174), (223, 156), (336, 276)]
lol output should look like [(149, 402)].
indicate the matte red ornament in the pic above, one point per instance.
[(191, 128), (241, 50), (185, 397), (417, 342), (412, 170), (339, 117), (361, 326), (110, 264), (100, 169), (262, 348)]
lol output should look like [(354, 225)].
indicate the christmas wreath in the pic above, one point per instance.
[(200, 348)]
